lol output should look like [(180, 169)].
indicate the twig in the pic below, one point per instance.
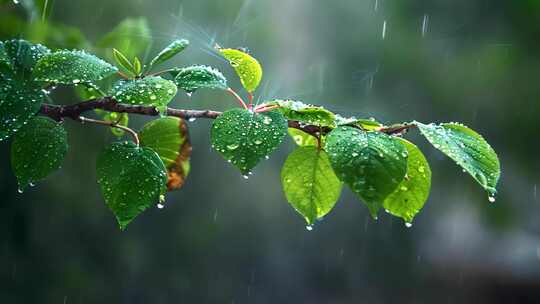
[(111, 124)]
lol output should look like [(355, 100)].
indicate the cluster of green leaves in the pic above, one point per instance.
[(384, 170)]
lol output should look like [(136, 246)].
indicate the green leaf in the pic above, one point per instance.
[(468, 149), (151, 90), (302, 138), (123, 62), (372, 164), (305, 113), (19, 102), (413, 191), (247, 68), (170, 51), (23, 56), (197, 77), (309, 183), (244, 138), (137, 66), (37, 150), (131, 37), (369, 124), (132, 179), (169, 137), (72, 67)]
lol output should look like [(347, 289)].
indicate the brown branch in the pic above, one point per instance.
[(74, 111)]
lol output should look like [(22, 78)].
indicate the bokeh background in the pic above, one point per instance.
[(224, 239)]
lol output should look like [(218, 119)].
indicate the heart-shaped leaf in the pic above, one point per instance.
[(413, 191), (244, 138), (72, 67), (247, 68), (169, 137), (468, 149), (37, 150), (132, 179), (372, 164), (197, 77), (152, 90), (309, 183), (19, 101), (23, 56), (305, 113), (170, 51)]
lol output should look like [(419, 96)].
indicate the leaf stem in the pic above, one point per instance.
[(122, 75), (111, 124), (250, 98), (240, 100), (266, 108), (159, 72)]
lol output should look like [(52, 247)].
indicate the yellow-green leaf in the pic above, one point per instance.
[(248, 68)]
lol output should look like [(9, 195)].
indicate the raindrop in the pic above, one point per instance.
[(20, 190), (160, 206), (192, 119), (384, 30), (16, 1), (309, 227), (245, 176), (408, 225), (491, 199), (425, 23), (189, 94)]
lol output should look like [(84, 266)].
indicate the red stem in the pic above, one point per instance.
[(240, 100)]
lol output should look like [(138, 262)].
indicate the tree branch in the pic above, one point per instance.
[(74, 111)]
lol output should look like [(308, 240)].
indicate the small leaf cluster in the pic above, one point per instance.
[(382, 168)]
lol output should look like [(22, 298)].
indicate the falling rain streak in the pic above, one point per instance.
[(425, 24), (384, 30)]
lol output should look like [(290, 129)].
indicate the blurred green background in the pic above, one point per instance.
[(223, 239)]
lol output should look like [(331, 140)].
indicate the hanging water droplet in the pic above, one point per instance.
[(309, 227), (192, 119), (189, 94), (408, 225), (491, 199), (245, 176), (20, 190), (160, 206)]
